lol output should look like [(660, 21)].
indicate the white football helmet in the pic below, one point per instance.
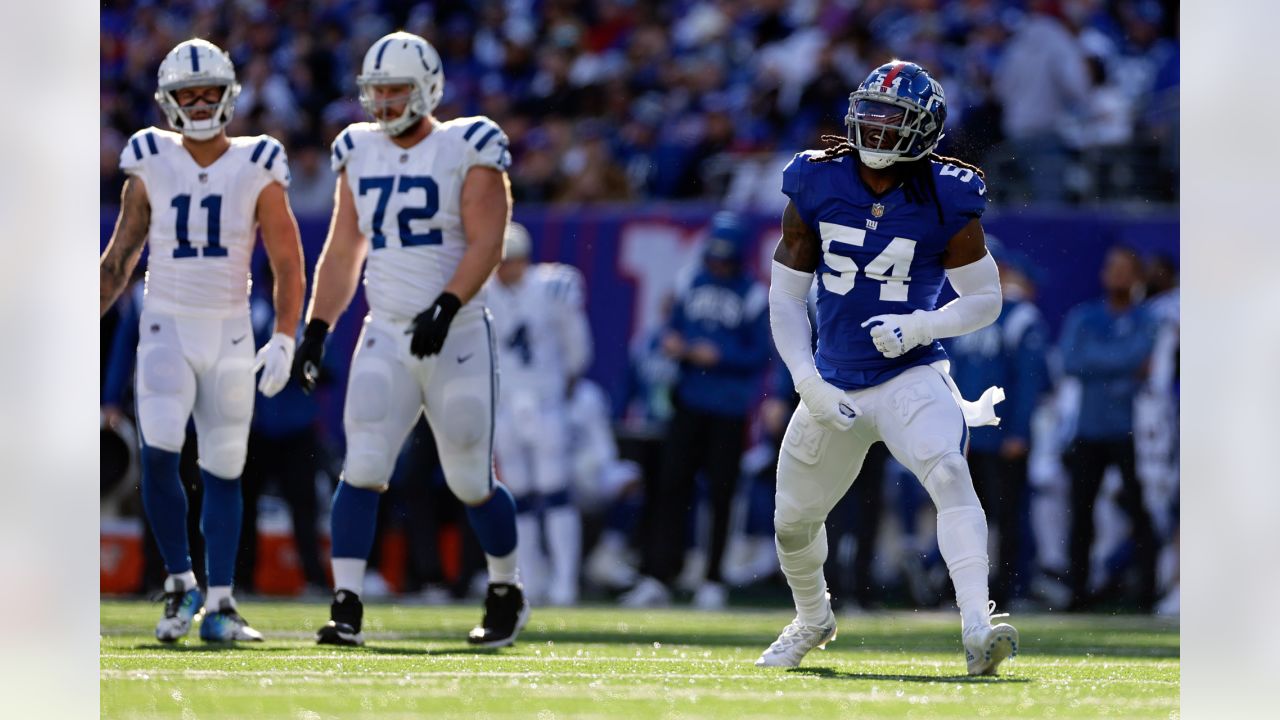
[(402, 58), (516, 243), (197, 63)]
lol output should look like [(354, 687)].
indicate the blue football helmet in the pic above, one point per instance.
[(896, 115)]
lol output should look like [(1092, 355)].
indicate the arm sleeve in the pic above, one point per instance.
[(978, 304), (747, 350), (1031, 377), (487, 145), (789, 320), (575, 332)]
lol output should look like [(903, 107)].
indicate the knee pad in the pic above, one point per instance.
[(803, 551), (223, 450), (471, 493), (368, 397), (950, 484), (466, 420), (163, 421), (369, 462), (796, 535), (233, 393)]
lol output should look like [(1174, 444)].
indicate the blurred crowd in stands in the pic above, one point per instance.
[(617, 100)]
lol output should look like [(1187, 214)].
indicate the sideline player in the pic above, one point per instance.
[(882, 219), (199, 196), (426, 203), (544, 345)]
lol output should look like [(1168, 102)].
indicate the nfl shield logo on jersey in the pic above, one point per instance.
[(877, 210)]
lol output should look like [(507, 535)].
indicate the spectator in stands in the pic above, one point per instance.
[(1107, 344), (1041, 80), (1009, 353), (719, 332)]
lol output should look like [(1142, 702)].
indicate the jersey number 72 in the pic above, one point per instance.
[(383, 185)]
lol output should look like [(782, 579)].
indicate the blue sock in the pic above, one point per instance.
[(354, 518), (220, 523), (495, 522), (559, 498), (165, 503)]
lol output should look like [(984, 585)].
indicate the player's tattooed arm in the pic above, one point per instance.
[(117, 263), (800, 247), (967, 246)]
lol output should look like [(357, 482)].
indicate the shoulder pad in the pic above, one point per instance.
[(960, 189), (563, 283), (269, 155), (144, 144), (351, 137), (486, 143)]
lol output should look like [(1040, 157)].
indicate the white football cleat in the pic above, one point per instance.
[(182, 606), (986, 647), (711, 596), (648, 593), (796, 641)]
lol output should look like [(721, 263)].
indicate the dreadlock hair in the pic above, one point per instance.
[(918, 182)]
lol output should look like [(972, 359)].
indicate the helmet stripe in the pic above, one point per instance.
[(377, 63), (888, 78), (195, 59)]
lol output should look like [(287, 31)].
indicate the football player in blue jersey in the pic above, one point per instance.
[(882, 220)]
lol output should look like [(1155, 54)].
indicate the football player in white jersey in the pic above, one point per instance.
[(544, 345), (426, 202), (199, 197)]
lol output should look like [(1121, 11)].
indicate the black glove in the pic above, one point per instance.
[(432, 324), (310, 355)]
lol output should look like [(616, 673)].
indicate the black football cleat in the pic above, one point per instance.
[(505, 614), (345, 615)]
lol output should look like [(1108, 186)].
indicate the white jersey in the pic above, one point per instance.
[(542, 331), (203, 220), (408, 203)]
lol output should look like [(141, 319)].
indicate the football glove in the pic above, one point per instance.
[(829, 406), (896, 335), (310, 356), (432, 325), (274, 359)]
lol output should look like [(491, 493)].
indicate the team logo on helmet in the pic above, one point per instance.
[(896, 114)]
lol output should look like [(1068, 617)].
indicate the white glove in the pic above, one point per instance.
[(277, 359), (896, 335), (827, 404)]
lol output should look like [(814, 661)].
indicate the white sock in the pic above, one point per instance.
[(528, 554), (503, 569), (803, 570), (962, 538), (564, 541), (181, 581), (216, 595), (348, 574)]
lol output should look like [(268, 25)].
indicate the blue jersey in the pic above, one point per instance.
[(881, 254)]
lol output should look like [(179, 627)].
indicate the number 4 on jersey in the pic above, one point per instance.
[(892, 267)]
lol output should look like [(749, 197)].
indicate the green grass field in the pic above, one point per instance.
[(608, 662)]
